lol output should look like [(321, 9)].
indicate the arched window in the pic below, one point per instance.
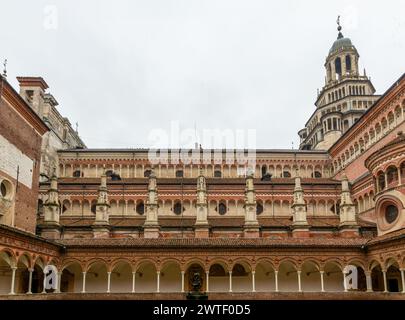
[(178, 208), (179, 173), (316, 174), (217, 174), (147, 173), (109, 173), (93, 208), (381, 181), (140, 208), (40, 206), (77, 174), (286, 174), (259, 208), (338, 66), (348, 64), (222, 208)]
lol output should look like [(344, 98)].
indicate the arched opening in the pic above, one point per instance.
[(377, 278), (191, 270), (310, 277), (394, 280), (146, 278), (222, 209), (96, 278), (381, 181), (241, 277), (333, 277), (22, 275), (219, 278), (38, 276), (170, 277), (77, 174), (348, 64), (121, 277), (140, 208), (6, 262), (338, 66), (217, 174), (392, 176), (265, 277), (287, 277), (179, 173), (72, 278)]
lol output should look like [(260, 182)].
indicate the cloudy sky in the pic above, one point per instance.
[(126, 70)]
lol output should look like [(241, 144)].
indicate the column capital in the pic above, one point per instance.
[(14, 268)]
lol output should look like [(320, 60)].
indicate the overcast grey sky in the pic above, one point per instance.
[(123, 68)]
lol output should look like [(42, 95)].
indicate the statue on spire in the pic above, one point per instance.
[(5, 68), (339, 28)]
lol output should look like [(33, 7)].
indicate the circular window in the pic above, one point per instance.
[(140, 208), (391, 213), (5, 189)]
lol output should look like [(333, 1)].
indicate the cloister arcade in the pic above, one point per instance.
[(135, 206), (264, 275)]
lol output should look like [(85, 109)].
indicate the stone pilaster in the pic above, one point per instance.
[(201, 228), (52, 212), (300, 225), (101, 226), (347, 211), (151, 228), (251, 228)]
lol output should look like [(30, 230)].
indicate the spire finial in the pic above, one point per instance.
[(5, 68), (339, 28)]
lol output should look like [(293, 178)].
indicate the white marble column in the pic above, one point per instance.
[(299, 280), (133, 281), (384, 272), (369, 282), (207, 276), (158, 282), (322, 282), (109, 280), (230, 281), (84, 282), (30, 281), (403, 280), (253, 281), (182, 281), (13, 270), (276, 280)]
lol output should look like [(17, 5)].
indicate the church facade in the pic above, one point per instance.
[(257, 224)]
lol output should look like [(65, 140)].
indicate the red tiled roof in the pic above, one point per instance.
[(214, 242)]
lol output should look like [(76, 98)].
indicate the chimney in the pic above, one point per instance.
[(32, 90)]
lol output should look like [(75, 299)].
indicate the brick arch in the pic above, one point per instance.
[(93, 261), (28, 257), (116, 262), (373, 264), (221, 262), (357, 262), (198, 261), (243, 262), (264, 260), (168, 261), (290, 260), (66, 263), (143, 261), (334, 261), (11, 256), (310, 260), (389, 261)]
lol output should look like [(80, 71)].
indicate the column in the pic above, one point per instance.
[(299, 280), (13, 270), (253, 282), (322, 282), (58, 281), (84, 282), (276, 280), (368, 282), (44, 282), (230, 281), (158, 282), (96, 170), (108, 281), (207, 276), (30, 281), (384, 272), (182, 281), (399, 175), (133, 281), (344, 281), (403, 280), (386, 180)]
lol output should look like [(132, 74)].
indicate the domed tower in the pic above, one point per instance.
[(345, 96)]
